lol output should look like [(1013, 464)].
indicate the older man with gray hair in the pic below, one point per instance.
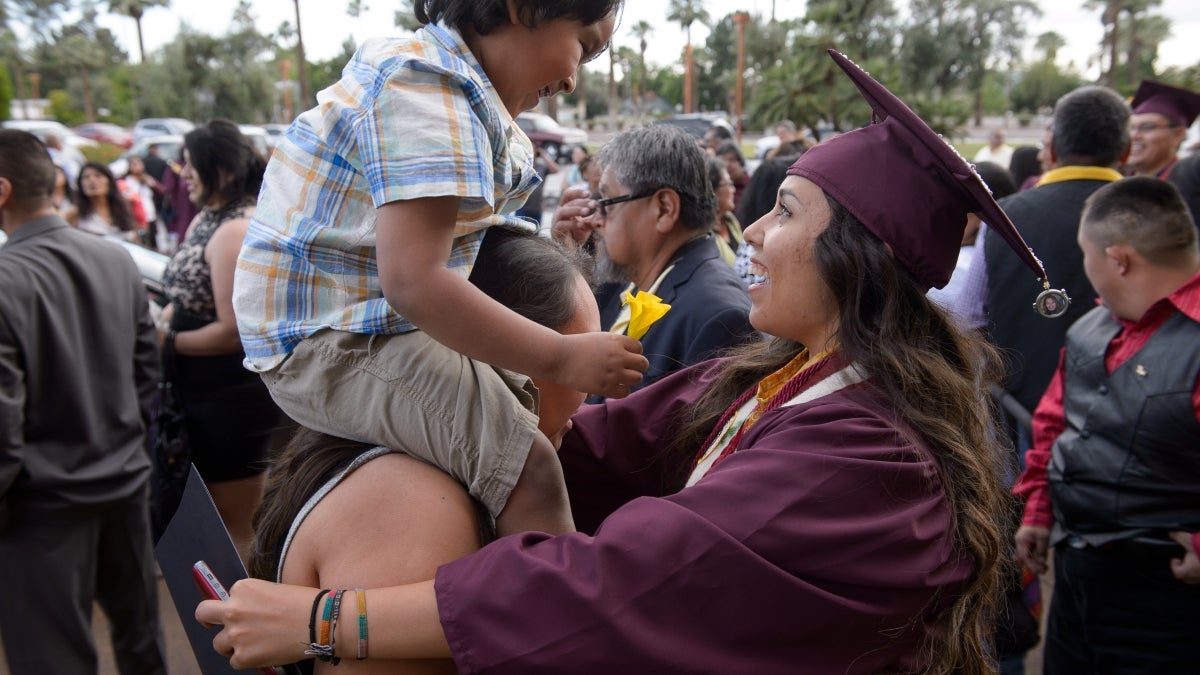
[(668, 285)]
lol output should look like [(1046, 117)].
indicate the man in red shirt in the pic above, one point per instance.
[(1113, 474)]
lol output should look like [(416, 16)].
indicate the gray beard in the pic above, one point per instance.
[(608, 271)]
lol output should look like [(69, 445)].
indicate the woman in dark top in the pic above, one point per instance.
[(229, 413)]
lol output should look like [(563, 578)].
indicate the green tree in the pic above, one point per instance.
[(686, 13), (806, 86), (405, 17), (6, 93), (301, 62), (641, 30), (1041, 85), (1146, 32), (1110, 18), (1048, 44), (134, 9), (960, 42)]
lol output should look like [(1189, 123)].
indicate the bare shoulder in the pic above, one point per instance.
[(394, 520)]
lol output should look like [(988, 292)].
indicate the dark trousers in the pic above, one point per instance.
[(55, 563), (1120, 611)]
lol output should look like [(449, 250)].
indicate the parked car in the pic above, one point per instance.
[(43, 128), (551, 136), (275, 132), (697, 124), (105, 132), (160, 126), (71, 141), (151, 265), (259, 138), (170, 148)]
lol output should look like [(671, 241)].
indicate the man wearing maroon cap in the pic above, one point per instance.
[(1161, 117)]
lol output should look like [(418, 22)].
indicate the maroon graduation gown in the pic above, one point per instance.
[(819, 547)]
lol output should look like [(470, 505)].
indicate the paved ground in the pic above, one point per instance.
[(179, 654)]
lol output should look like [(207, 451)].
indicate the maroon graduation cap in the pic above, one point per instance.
[(912, 189), (1178, 105)]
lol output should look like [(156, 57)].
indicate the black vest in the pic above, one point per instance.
[(1127, 464), (1048, 219)]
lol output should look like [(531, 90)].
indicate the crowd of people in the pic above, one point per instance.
[(841, 410)]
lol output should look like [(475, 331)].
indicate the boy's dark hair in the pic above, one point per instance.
[(484, 15), (25, 162), (1146, 213)]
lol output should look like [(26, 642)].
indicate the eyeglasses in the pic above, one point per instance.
[(726, 183), (603, 204), (1147, 127)]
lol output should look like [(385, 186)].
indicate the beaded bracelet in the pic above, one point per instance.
[(362, 623), (316, 648), (337, 610)]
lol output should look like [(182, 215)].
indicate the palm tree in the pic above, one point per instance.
[(301, 64), (641, 30), (81, 53), (1137, 11), (687, 12), (1111, 19), (134, 9), (1048, 44)]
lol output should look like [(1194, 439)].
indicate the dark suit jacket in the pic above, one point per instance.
[(710, 312), (1048, 219), (78, 368)]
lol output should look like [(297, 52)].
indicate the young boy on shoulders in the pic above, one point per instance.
[(351, 291)]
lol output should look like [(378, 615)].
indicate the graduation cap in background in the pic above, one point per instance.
[(1178, 105), (912, 189)]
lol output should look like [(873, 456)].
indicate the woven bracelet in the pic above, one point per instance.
[(337, 611), (316, 648), (362, 623)]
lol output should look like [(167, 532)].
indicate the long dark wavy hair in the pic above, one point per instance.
[(118, 207), (937, 377), (530, 274)]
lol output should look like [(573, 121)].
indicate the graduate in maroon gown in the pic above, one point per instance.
[(828, 502)]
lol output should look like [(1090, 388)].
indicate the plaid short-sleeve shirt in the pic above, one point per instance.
[(410, 118)]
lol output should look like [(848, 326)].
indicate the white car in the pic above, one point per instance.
[(72, 142), (259, 138), (160, 126)]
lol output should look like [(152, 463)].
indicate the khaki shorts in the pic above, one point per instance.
[(410, 393)]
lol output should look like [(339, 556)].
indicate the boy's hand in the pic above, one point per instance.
[(601, 363)]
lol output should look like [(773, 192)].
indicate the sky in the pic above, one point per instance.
[(326, 25)]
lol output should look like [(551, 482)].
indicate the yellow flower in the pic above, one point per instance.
[(644, 309)]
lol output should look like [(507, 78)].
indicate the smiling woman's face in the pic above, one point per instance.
[(793, 302), (557, 403)]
